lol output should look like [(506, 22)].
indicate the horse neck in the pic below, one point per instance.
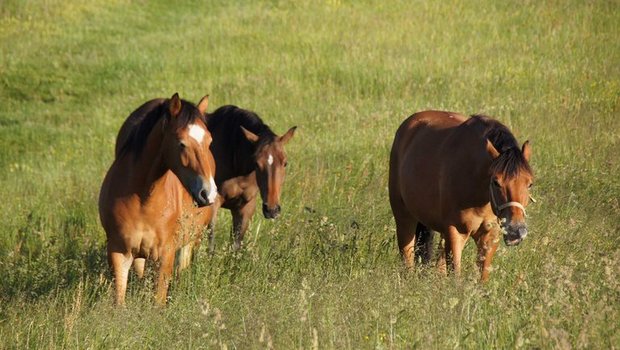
[(481, 179)]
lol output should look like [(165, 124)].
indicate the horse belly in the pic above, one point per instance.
[(146, 245), (138, 238), (419, 184)]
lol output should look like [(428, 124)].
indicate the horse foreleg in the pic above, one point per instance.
[(165, 274), (455, 243), (487, 243), (211, 224), (441, 260), (120, 263), (241, 221), (185, 256), (211, 236)]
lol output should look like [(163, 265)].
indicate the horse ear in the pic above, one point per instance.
[(492, 150), (289, 134), (174, 105), (252, 137), (526, 150), (203, 104)]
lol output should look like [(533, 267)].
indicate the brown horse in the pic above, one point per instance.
[(250, 159), (461, 177), (162, 168)]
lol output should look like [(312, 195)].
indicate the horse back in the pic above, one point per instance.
[(419, 140), (425, 127)]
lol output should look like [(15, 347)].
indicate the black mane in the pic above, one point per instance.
[(233, 153), (228, 119), (511, 160), (138, 126)]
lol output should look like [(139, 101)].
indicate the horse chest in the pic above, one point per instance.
[(471, 221), (146, 225), (145, 238), (238, 191)]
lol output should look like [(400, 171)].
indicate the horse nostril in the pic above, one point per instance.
[(277, 209), (204, 195)]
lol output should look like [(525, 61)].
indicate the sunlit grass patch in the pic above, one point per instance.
[(327, 273)]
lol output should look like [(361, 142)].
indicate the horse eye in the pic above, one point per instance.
[(496, 183), (285, 163), (182, 145), (530, 186)]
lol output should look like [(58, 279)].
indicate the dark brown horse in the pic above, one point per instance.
[(461, 177), (250, 159), (155, 197)]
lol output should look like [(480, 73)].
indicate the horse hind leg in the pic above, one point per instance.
[(406, 237), (424, 243), (405, 227)]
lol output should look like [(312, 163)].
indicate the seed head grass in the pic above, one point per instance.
[(327, 273)]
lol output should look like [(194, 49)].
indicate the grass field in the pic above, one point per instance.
[(327, 273)]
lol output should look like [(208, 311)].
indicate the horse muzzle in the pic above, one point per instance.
[(271, 213), (205, 194), (514, 234), (202, 199)]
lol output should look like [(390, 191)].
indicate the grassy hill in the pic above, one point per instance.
[(327, 273)]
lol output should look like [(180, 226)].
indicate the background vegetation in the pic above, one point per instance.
[(327, 273)]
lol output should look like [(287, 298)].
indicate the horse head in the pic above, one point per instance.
[(185, 148), (271, 162), (509, 189)]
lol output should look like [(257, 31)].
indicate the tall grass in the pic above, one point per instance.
[(327, 273)]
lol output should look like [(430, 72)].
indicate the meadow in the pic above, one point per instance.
[(326, 274)]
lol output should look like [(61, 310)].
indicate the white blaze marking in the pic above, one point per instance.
[(196, 132), (270, 159)]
